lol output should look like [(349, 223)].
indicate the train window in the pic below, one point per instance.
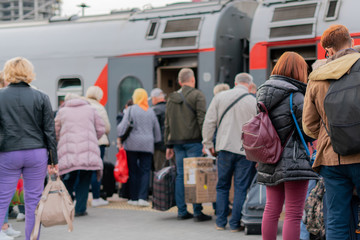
[(332, 10), (126, 89), (182, 25), (178, 42), (68, 85), (289, 31), (294, 12), (152, 29)]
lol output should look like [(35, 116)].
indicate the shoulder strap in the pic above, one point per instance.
[(39, 210), (186, 103), (230, 106), (297, 126), (64, 194)]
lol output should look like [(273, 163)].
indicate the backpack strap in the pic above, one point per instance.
[(297, 126), (230, 106), (186, 103)]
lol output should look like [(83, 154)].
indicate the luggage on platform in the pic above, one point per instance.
[(164, 188), (253, 208)]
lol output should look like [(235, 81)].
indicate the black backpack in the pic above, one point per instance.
[(342, 109)]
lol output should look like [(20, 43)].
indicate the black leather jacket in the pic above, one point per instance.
[(294, 163), (26, 120)]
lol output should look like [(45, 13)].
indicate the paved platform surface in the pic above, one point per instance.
[(120, 221)]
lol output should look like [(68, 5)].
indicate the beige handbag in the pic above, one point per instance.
[(55, 207)]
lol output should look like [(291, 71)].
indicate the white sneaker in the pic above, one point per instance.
[(20, 217), (11, 232), (99, 202), (131, 202), (143, 203), (3, 236)]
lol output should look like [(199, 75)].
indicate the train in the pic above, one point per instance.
[(124, 50)]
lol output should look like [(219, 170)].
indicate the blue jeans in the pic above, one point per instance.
[(304, 234), (81, 190), (95, 184), (230, 164), (139, 164), (183, 151), (339, 185)]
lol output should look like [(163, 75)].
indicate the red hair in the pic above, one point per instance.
[(336, 37), (292, 65)]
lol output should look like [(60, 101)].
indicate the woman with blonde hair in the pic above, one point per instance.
[(139, 145), (93, 95), (287, 180), (27, 142)]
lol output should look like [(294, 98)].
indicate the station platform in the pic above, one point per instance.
[(119, 220)]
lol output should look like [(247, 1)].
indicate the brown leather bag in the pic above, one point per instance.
[(55, 207)]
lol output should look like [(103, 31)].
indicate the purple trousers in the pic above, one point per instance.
[(33, 165)]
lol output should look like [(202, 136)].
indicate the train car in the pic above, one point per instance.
[(125, 50), (294, 25)]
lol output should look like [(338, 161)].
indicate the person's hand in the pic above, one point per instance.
[(118, 143), (169, 153), (53, 169), (212, 151), (206, 151)]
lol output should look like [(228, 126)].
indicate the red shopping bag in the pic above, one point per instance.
[(121, 170)]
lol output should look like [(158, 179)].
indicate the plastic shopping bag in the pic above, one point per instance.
[(121, 170)]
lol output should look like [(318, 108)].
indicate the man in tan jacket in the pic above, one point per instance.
[(341, 173)]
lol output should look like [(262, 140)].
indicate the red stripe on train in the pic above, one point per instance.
[(259, 52), (168, 52), (102, 82)]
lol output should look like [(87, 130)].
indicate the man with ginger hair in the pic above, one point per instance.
[(184, 117), (341, 172)]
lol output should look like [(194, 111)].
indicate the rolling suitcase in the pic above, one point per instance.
[(253, 208), (164, 188)]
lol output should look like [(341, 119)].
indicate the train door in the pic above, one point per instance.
[(124, 75), (168, 69), (309, 53)]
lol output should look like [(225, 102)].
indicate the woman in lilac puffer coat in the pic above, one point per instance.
[(78, 127)]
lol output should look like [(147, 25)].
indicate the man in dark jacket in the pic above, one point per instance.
[(185, 113), (159, 106)]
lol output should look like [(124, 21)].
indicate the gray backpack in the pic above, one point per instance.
[(342, 109)]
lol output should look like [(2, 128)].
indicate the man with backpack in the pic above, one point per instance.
[(184, 117), (331, 114), (227, 113)]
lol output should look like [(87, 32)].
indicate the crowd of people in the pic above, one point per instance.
[(33, 142)]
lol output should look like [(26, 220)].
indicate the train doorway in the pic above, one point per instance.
[(168, 69), (309, 53)]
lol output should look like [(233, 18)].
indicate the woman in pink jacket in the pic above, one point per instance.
[(78, 127)]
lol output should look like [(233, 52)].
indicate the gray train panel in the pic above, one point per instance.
[(134, 69)]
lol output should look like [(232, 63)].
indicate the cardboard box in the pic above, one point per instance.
[(200, 178)]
